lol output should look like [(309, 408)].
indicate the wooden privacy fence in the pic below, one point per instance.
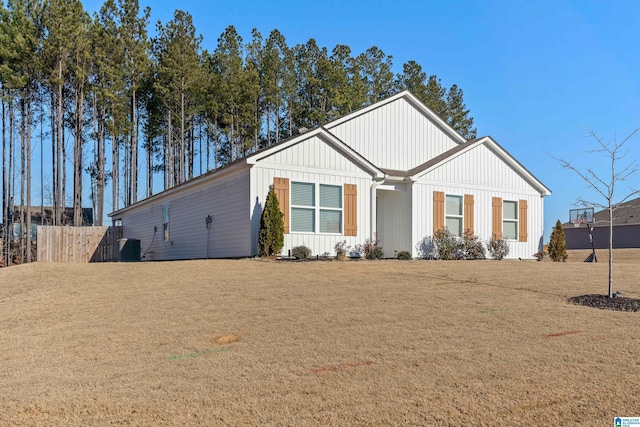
[(78, 244)]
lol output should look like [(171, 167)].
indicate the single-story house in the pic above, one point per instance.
[(393, 171), (626, 229)]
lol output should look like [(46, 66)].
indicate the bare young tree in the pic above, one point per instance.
[(605, 184)]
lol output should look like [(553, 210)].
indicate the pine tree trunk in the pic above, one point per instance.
[(134, 149), (23, 174), (5, 196), (115, 161), (149, 168), (11, 183), (100, 178), (60, 173), (77, 160), (54, 159), (42, 162), (182, 141), (28, 172)]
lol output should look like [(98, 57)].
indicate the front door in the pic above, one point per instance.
[(393, 221)]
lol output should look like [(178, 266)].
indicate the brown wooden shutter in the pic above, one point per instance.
[(497, 218), (281, 187), (468, 214), (522, 221), (438, 211), (350, 210)]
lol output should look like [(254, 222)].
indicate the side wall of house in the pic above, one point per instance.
[(311, 161), (228, 235), (394, 136), (482, 174)]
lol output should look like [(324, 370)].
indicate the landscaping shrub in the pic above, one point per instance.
[(371, 249), (445, 244), (271, 236), (470, 247), (341, 249), (497, 248), (404, 255), (301, 252), (558, 244)]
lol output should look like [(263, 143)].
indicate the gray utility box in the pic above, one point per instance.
[(129, 250)]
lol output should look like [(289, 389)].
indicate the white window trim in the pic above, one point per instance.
[(446, 215), (165, 224), (317, 208), (511, 220)]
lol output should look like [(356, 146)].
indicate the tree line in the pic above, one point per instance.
[(106, 101)]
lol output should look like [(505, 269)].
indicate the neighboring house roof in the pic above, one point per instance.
[(627, 213)]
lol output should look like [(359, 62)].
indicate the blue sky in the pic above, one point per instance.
[(535, 74)]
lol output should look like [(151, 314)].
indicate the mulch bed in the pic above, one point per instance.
[(603, 302)]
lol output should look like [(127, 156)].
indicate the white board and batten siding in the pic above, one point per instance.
[(394, 136), (479, 172), (312, 161), (423, 219), (224, 199)]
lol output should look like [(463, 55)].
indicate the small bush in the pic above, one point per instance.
[(341, 249), (271, 235), (301, 252), (558, 244), (404, 255), (445, 244), (426, 248), (371, 249), (470, 247), (540, 255), (497, 248)]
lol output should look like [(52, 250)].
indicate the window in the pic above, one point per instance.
[(453, 214), (316, 208), (165, 222), (330, 208), (509, 220), (303, 211)]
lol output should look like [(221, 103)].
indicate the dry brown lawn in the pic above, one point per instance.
[(252, 342)]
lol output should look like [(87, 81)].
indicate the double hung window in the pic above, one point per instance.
[(509, 220), (316, 208), (165, 222), (453, 215)]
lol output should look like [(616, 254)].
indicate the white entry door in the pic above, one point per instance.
[(393, 221)]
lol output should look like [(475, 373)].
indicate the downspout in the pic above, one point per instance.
[(373, 211)]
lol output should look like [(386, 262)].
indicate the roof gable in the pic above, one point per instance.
[(411, 99), (463, 149), (318, 134), (397, 133)]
